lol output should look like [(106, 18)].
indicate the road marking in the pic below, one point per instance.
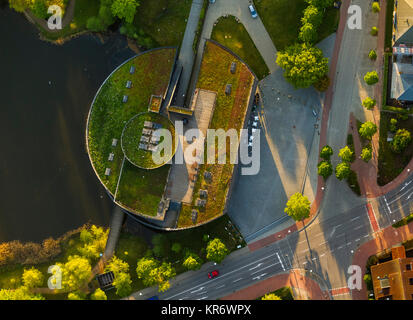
[(355, 218), (265, 268), (405, 185), (280, 261), (314, 259), (197, 290), (237, 280), (387, 204), (358, 239), (220, 277), (259, 277), (372, 217), (219, 287), (348, 244), (305, 250), (257, 266), (322, 255), (340, 247), (359, 227), (409, 196), (202, 298), (365, 236)]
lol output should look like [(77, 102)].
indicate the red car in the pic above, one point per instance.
[(213, 274)]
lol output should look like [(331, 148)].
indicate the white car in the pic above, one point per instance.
[(252, 11)]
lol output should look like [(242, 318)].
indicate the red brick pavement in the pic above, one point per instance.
[(372, 218), (304, 286), (385, 239)]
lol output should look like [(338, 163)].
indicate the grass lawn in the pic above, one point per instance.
[(109, 116), (229, 113), (84, 9), (282, 19), (235, 37), (404, 221), (392, 164), (163, 20)]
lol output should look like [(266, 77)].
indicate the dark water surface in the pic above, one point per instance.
[(47, 185)]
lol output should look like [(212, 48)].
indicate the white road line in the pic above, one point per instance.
[(340, 247), (265, 268), (365, 236), (405, 185), (259, 277), (197, 290), (322, 255), (237, 280), (220, 277), (358, 239), (202, 298), (359, 227), (314, 259), (219, 287), (280, 261), (355, 218), (387, 204), (348, 244), (257, 266), (409, 196)]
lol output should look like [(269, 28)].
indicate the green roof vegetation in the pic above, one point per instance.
[(132, 135), (229, 113), (235, 37), (138, 189)]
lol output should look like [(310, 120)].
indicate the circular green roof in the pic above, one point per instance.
[(143, 140)]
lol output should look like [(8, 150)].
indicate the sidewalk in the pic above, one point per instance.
[(328, 100), (385, 239), (303, 287)]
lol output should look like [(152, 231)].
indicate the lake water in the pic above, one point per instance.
[(47, 185)]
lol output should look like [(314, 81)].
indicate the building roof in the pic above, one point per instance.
[(403, 22), (402, 82)]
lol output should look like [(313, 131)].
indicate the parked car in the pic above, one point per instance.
[(213, 274), (252, 11)]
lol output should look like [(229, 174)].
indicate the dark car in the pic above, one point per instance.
[(213, 274)]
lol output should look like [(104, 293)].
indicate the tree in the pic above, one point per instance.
[(371, 77), (74, 296), (32, 278), (366, 154), (325, 169), (326, 152), (367, 130), (308, 33), (320, 3), (160, 244), (393, 125), (19, 5), (375, 7), (94, 242), (125, 9), (374, 31), (343, 170), (312, 16), (369, 103), (39, 9), (298, 207), (322, 84), (99, 294), (22, 293), (346, 154), (303, 65), (192, 262), (401, 140), (270, 296), (372, 55), (122, 283), (105, 14), (216, 250), (75, 272), (144, 268), (117, 266)]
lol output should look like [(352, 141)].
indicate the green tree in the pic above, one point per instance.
[(270, 296), (374, 31), (371, 77), (74, 296), (325, 169), (375, 7), (393, 125), (320, 3), (125, 9), (312, 16), (39, 9), (346, 154), (401, 140), (366, 154), (22, 293), (298, 207), (303, 65), (322, 84), (372, 55), (343, 170), (117, 266), (19, 5), (216, 250), (369, 103), (144, 268), (192, 262), (32, 278), (122, 283), (105, 14), (176, 247), (75, 272), (326, 152), (99, 294), (308, 33), (367, 130)]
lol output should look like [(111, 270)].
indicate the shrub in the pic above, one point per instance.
[(367, 130), (369, 103), (373, 55), (393, 125), (374, 31), (308, 33), (375, 7), (95, 24), (325, 169), (342, 170), (346, 154), (366, 154), (322, 84), (176, 247), (368, 281), (371, 77), (326, 152), (401, 140)]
